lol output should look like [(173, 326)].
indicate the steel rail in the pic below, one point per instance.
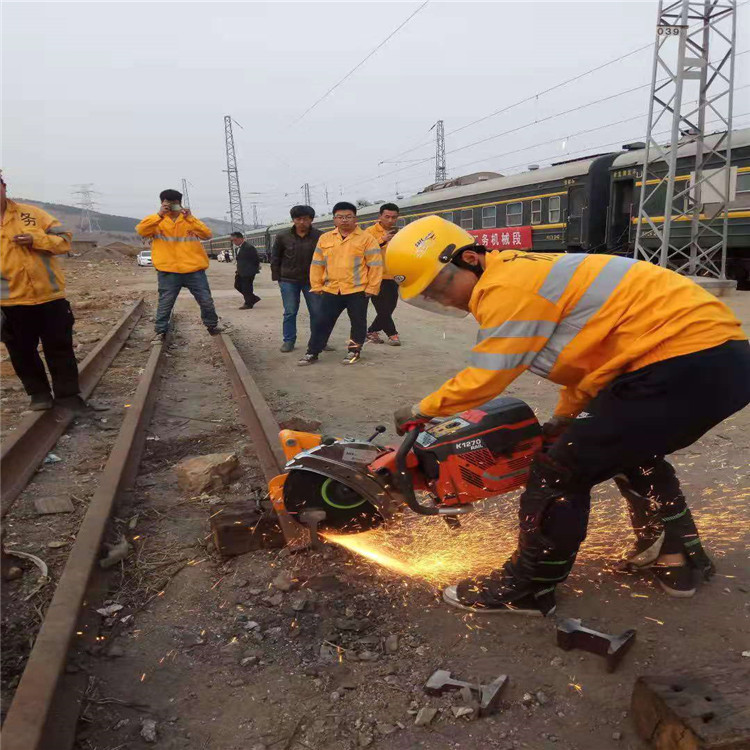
[(25, 727), (261, 426), (25, 448)]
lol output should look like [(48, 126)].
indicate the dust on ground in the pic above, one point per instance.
[(325, 650)]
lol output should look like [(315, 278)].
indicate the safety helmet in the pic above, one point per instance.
[(421, 250)]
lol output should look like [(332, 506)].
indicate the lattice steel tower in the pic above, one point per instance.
[(236, 216), (441, 172), (691, 237), (87, 204)]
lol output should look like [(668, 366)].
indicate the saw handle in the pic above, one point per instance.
[(406, 486)]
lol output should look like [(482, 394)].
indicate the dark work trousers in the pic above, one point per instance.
[(625, 431), (385, 303), (170, 285), (331, 307), (23, 326), (244, 285)]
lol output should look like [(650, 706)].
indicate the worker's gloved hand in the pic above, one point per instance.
[(406, 418), (554, 428)]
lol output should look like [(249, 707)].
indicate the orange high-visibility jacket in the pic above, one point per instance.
[(378, 231), (344, 265), (175, 245), (580, 321), (31, 276)]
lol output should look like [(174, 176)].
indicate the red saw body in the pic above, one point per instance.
[(441, 470)]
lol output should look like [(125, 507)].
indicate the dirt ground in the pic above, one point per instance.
[(329, 650)]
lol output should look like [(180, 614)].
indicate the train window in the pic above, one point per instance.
[(536, 211), (467, 219), (743, 182), (514, 213), (489, 217), (448, 215), (554, 209)]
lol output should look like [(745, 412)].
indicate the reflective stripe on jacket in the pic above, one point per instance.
[(580, 321), (31, 276), (378, 231), (344, 265), (175, 245)]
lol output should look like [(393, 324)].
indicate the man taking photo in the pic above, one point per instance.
[(179, 259), (248, 267)]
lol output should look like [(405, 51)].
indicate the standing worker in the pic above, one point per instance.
[(33, 304), (248, 267), (385, 301), (179, 259), (346, 271), (648, 360), (291, 256)]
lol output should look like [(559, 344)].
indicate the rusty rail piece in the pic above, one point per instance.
[(24, 727), (262, 428), (25, 448)]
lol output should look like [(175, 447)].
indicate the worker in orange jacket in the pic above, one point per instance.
[(648, 360), (179, 259), (33, 304), (346, 270)]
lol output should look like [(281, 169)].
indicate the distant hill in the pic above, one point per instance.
[(112, 227)]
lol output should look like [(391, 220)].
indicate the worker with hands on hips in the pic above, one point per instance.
[(648, 360)]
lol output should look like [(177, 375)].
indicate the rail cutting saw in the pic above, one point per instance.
[(438, 471)]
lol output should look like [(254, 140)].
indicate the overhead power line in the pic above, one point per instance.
[(360, 63)]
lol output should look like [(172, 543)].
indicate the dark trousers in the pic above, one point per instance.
[(625, 431), (385, 303), (331, 307), (23, 326), (244, 285), (170, 285)]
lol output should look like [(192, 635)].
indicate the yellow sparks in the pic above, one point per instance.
[(578, 688), (143, 677), (653, 619)]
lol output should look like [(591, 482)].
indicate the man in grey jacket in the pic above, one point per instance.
[(290, 265)]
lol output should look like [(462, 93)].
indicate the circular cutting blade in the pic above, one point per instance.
[(346, 510)]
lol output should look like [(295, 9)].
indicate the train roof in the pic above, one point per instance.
[(632, 158)]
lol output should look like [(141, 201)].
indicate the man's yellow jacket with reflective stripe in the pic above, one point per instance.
[(175, 244), (31, 276), (345, 265), (378, 231), (580, 321)]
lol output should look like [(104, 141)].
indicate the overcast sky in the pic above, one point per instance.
[(131, 96)]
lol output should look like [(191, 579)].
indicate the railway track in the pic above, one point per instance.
[(47, 702)]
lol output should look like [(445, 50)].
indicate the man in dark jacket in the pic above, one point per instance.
[(290, 265), (248, 266)]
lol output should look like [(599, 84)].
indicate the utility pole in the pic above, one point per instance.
[(685, 32), (185, 196), (441, 172), (236, 217), (306, 188), (87, 204)]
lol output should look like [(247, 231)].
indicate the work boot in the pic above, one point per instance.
[(40, 402), (217, 329), (245, 307), (287, 346), (308, 359), (394, 340), (329, 348), (351, 358), (675, 580), (74, 403), (374, 338), (496, 594), (159, 338)]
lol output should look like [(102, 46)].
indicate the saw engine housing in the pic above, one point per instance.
[(474, 455)]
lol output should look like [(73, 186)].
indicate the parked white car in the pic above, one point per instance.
[(144, 258), (225, 256)]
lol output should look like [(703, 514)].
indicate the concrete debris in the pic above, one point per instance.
[(461, 711), (109, 611), (116, 553), (424, 716), (390, 644), (364, 739), (283, 581), (541, 698), (275, 599), (148, 730), (207, 473), (616, 735), (527, 699), (57, 544)]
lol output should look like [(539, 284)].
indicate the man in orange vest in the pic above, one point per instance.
[(179, 259), (33, 303), (648, 360)]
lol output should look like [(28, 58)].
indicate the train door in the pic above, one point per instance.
[(576, 207), (621, 215)]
